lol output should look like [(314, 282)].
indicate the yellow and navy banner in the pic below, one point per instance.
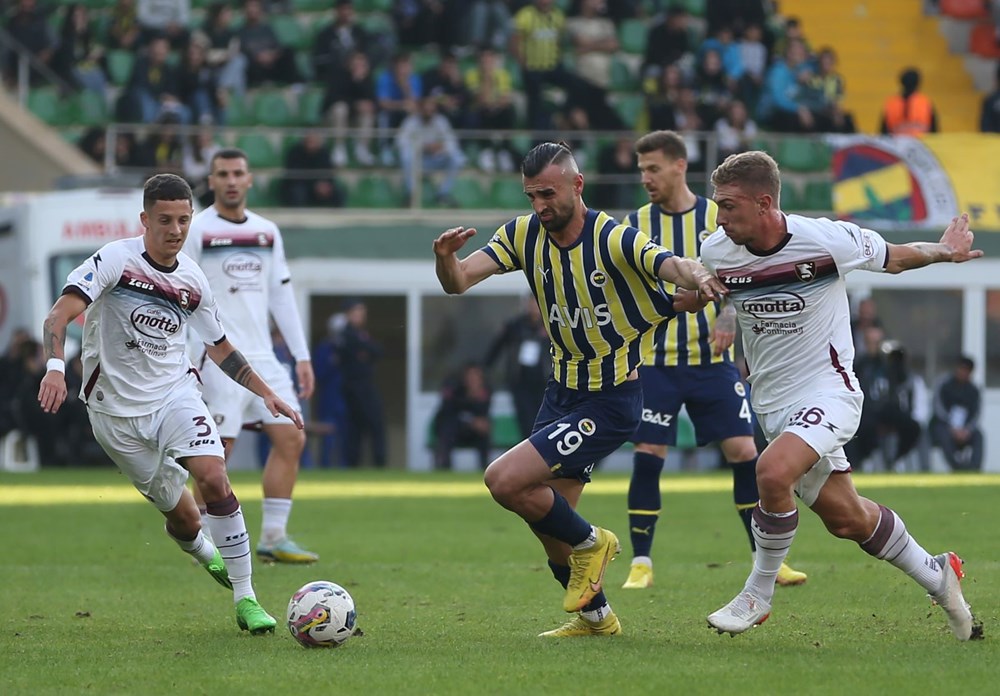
[(910, 183)]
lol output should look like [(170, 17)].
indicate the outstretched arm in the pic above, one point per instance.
[(691, 275), (955, 247), (457, 276), (52, 390), (232, 362)]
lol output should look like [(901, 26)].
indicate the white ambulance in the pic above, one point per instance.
[(43, 236)]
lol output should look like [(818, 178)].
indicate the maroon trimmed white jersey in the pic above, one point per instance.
[(791, 303), (245, 264), (134, 355)]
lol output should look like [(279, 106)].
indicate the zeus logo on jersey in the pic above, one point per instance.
[(156, 321), (778, 305), (580, 316), (242, 265)]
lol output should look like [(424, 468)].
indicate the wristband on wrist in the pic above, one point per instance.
[(56, 365)]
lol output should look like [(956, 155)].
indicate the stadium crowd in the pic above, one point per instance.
[(395, 72)]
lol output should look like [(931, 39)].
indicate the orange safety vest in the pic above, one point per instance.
[(910, 116)]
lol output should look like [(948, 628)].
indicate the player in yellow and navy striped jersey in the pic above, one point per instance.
[(598, 286), (690, 364)]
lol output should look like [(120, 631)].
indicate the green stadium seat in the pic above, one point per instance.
[(697, 8), (263, 193), (238, 111), (623, 78), (803, 155), (629, 107), (92, 108), (270, 108), (792, 198), (45, 104), (310, 107), (632, 36), (120, 66), (373, 5), (508, 194), (373, 191), (290, 32), (312, 5), (260, 151), (469, 193), (819, 196)]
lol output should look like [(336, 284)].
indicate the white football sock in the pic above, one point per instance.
[(773, 533), (201, 547), (233, 541), (274, 521), (891, 542)]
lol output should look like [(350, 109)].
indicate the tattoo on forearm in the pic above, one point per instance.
[(237, 367), (52, 337)]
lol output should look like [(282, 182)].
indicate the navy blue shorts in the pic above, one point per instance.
[(715, 397), (576, 429)]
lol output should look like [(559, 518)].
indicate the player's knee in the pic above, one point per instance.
[(772, 478), (213, 483), (502, 486)]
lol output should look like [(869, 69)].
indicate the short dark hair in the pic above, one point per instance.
[(165, 187), (966, 362), (228, 153), (544, 154), (668, 142)]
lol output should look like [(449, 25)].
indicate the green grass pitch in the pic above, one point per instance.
[(452, 592)]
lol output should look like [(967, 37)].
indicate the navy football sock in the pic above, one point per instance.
[(644, 501), (745, 493), (562, 522)]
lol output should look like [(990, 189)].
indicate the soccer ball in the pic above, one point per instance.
[(321, 614)]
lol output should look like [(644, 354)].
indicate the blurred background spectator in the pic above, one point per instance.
[(955, 424), (365, 416), (463, 418)]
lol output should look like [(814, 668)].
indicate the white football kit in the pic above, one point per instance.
[(791, 303), (246, 267), (140, 388)]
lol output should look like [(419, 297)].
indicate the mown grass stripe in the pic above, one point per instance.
[(247, 490)]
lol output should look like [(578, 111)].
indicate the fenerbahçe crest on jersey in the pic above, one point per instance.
[(683, 341), (600, 296)]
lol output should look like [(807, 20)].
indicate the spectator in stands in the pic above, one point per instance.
[(397, 89), (335, 42), (198, 151), (11, 374), (488, 23), (724, 43), (616, 161), (662, 101), (153, 87), (492, 109), (167, 18), (309, 181), (536, 44), (123, 31), (826, 86), (331, 410), (753, 58), (783, 104), (888, 421), (667, 43), (79, 59), (689, 125), (350, 102), (865, 317), (595, 42), (358, 354), (712, 86), (423, 22), (989, 119), (427, 143), (791, 32), (736, 14), (735, 130), (463, 418), (267, 59), (955, 424), (224, 55), (163, 149), (524, 347), (28, 24), (198, 87), (444, 82), (911, 112)]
